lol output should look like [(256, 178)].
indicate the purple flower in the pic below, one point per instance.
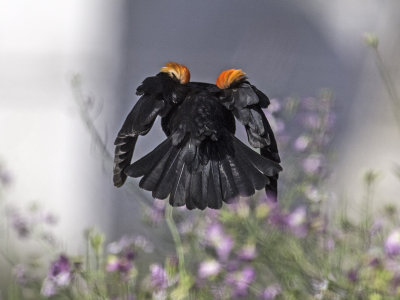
[(329, 244), (279, 126), (157, 211), (248, 252), (312, 164), (296, 221), (222, 243), (312, 193), (271, 292), (301, 143), (311, 121), (392, 243), (274, 106), (20, 274), (124, 265), (240, 281), (50, 219), (276, 217), (112, 263), (21, 225), (142, 243), (49, 288), (376, 227), (59, 276), (374, 262), (352, 275), (209, 268), (159, 279), (119, 246), (60, 271), (232, 265), (5, 177)]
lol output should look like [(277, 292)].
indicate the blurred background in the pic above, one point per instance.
[(287, 49)]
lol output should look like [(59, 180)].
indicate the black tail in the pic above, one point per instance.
[(124, 147), (203, 175)]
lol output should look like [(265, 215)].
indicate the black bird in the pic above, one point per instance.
[(201, 163)]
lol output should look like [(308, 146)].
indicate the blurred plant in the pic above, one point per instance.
[(373, 42), (250, 249)]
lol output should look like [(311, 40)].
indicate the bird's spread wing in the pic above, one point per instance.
[(246, 103), (158, 95)]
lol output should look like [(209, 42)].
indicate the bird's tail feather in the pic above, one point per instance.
[(204, 175), (124, 147)]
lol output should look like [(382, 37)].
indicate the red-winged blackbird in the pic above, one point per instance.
[(201, 163)]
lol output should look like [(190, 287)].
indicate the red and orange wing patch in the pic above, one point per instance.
[(181, 72), (227, 77)]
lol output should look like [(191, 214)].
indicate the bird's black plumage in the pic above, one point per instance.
[(201, 163)]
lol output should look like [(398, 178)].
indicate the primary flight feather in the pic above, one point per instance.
[(201, 163)]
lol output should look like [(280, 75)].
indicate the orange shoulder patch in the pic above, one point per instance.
[(227, 77), (181, 72)]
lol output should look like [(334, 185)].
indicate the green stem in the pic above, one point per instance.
[(177, 240), (88, 254), (390, 87)]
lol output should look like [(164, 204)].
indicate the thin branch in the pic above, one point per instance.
[(388, 82), (99, 141)]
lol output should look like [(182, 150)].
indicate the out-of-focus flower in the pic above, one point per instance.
[(271, 292), (49, 288), (301, 143), (144, 244), (376, 227), (374, 262), (274, 106), (329, 244), (124, 265), (20, 274), (392, 243), (158, 277), (222, 243), (276, 217), (60, 271), (118, 246), (297, 221), (232, 265), (112, 263), (49, 218), (279, 126), (5, 177), (155, 213), (209, 268), (21, 225), (159, 295), (311, 121), (352, 275), (248, 252), (186, 226), (59, 276), (240, 281), (320, 287), (312, 193), (312, 164)]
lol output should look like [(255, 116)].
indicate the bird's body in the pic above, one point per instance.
[(201, 163)]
